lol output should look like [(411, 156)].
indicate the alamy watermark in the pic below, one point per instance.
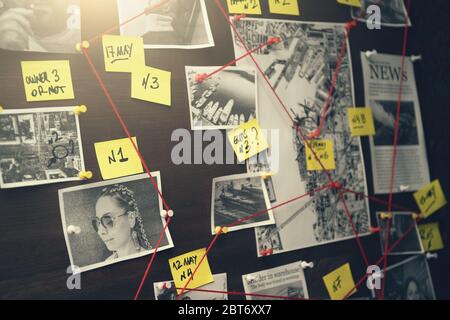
[(74, 280)]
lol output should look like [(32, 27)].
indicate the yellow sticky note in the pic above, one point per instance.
[(431, 236), (361, 121), (340, 282), (183, 267), (118, 158), (122, 53), (353, 3), (430, 198), (247, 140), (289, 7), (244, 6), (151, 84), (324, 151), (47, 80)]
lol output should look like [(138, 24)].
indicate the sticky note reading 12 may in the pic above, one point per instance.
[(430, 198), (183, 267), (340, 282), (247, 140), (151, 84), (431, 237), (289, 7), (361, 121), (47, 80), (122, 54), (117, 158), (353, 3), (320, 155), (244, 6)]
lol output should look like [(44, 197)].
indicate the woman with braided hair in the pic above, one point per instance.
[(118, 222)]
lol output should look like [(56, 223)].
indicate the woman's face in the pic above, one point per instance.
[(119, 234), (412, 291)]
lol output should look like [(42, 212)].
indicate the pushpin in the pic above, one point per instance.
[(164, 285), (314, 134), (223, 230), (385, 215), (83, 45), (73, 230), (351, 24), (375, 230), (86, 175), (250, 278), (239, 17), (305, 264), (1, 109), (431, 255), (335, 185), (273, 40), (266, 252), (201, 77), (416, 58), (371, 53), (80, 109), (266, 175), (403, 188), (417, 216), (166, 214)]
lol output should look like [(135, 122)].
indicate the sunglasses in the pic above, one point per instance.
[(107, 221)]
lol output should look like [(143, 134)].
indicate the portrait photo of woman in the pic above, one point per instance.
[(117, 220)]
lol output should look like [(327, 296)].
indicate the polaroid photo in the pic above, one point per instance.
[(238, 197), (410, 280), (224, 100), (399, 225), (39, 146), (166, 290), (393, 12), (51, 26), (178, 24), (281, 283), (118, 220)]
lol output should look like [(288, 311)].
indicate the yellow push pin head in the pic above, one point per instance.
[(266, 175), (386, 215), (85, 44), (80, 109), (217, 230), (86, 175), (78, 47), (417, 216), (225, 230), (1, 109)]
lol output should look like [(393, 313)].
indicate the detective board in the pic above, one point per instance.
[(34, 255)]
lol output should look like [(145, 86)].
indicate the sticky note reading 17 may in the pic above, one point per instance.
[(151, 84), (247, 140), (244, 6), (118, 158), (47, 80), (320, 155), (361, 121), (122, 54), (353, 3), (431, 237), (183, 267), (339, 283), (289, 7), (430, 198)]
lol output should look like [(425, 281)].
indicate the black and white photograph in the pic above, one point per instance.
[(39, 146), (224, 100), (400, 223), (281, 283), (181, 24), (409, 280), (300, 68), (384, 115), (393, 12), (236, 198), (166, 290), (40, 25), (261, 163), (116, 220)]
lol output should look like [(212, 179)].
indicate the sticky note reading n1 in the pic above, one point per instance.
[(361, 121), (183, 267), (340, 282), (430, 198), (118, 158), (353, 3), (151, 84), (247, 140), (288, 7), (122, 54), (431, 237), (47, 80), (324, 152), (244, 6)]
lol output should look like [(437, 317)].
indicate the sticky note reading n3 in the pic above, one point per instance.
[(247, 140), (244, 6), (47, 80), (122, 53), (361, 121), (288, 7), (430, 198), (340, 283), (118, 158), (320, 155), (183, 267), (151, 84), (353, 3), (431, 237)]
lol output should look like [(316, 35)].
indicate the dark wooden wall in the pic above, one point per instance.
[(33, 255)]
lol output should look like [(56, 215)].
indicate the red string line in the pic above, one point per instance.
[(377, 200), (114, 28), (237, 293)]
